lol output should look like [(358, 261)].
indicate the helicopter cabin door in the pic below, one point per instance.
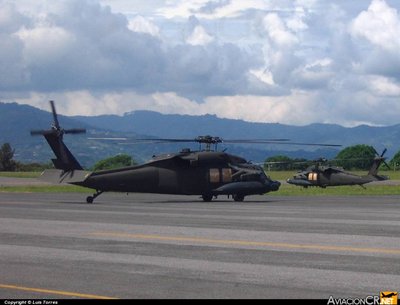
[(313, 177), (217, 176)]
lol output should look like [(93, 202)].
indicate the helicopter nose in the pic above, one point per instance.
[(275, 185)]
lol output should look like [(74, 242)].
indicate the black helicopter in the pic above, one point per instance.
[(323, 176), (206, 173)]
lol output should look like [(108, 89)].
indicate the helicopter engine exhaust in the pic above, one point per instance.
[(300, 182), (247, 187)]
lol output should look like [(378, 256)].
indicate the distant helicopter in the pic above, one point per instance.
[(323, 176), (206, 173)]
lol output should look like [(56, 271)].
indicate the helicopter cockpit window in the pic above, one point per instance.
[(226, 175)]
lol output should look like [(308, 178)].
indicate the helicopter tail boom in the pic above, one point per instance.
[(61, 176), (65, 160)]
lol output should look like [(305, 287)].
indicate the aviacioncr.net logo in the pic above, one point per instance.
[(388, 297), (384, 298)]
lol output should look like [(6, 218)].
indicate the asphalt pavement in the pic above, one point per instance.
[(162, 246)]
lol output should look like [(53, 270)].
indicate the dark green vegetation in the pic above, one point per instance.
[(8, 164), (395, 162), (6, 158), (356, 157), (114, 162)]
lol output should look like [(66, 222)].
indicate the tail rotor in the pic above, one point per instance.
[(54, 136), (381, 157), (55, 126)]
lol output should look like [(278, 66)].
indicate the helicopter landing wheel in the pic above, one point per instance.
[(207, 198), (238, 197), (90, 199)]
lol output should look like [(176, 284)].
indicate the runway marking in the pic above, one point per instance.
[(245, 242), (57, 292)]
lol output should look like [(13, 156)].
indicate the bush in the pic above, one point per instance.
[(117, 161), (7, 163), (356, 157)]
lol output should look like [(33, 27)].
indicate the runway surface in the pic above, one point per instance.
[(159, 246)]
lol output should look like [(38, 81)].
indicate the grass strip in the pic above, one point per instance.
[(62, 188), (284, 190)]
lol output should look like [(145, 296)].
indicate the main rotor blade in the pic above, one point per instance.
[(313, 144), (75, 130), (165, 140), (254, 141), (144, 140), (277, 141), (212, 140)]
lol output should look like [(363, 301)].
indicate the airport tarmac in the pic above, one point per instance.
[(52, 245)]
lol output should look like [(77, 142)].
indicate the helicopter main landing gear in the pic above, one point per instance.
[(238, 197), (207, 197), (90, 199)]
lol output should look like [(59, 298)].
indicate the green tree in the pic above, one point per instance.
[(356, 157), (395, 162), (117, 161), (6, 158)]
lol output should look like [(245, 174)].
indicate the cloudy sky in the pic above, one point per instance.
[(292, 62)]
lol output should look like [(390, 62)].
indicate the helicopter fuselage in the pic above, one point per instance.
[(337, 177), (203, 173)]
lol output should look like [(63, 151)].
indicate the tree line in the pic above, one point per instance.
[(8, 164), (357, 157)]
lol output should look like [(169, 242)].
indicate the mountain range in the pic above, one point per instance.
[(17, 120)]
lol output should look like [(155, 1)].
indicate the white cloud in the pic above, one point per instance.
[(84, 102), (244, 107), (383, 86), (44, 44), (277, 31), (270, 61), (380, 25), (199, 36), (210, 9), (142, 25)]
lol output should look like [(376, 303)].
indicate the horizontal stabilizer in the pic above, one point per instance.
[(60, 176)]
